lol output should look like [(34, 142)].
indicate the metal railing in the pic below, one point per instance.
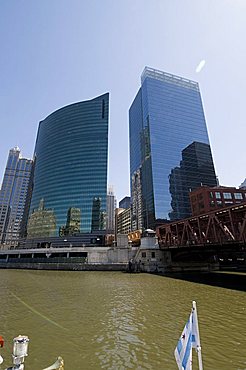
[(46, 260)]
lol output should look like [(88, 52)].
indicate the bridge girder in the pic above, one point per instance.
[(227, 225)]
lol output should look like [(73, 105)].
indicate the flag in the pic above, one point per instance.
[(189, 339)]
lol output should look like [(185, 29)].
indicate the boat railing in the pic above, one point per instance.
[(20, 352)]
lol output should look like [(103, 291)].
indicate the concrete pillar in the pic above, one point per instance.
[(167, 258)]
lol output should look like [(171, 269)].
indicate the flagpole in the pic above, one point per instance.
[(199, 349)]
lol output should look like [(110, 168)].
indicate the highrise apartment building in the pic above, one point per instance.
[(14, 198), (169, 148), (70, 175)]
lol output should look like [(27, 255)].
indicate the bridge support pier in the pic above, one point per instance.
[(185, 260)]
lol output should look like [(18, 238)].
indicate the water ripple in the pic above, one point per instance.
[(119, 321)]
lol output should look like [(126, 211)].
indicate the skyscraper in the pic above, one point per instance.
[(111, 205), (70, 175), (125, 202), (14, 197), (166, 126)]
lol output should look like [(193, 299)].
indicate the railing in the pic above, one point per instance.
[(20, 352), (46, 260)]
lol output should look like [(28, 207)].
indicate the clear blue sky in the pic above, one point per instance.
[(55, 52)]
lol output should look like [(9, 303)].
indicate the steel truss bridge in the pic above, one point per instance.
[(218, 234)]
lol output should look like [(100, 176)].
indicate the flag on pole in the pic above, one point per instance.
[(189, 339)]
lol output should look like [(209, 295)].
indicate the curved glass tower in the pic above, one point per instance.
[(70, 174)]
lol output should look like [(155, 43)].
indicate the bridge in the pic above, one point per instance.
[(215, 237)]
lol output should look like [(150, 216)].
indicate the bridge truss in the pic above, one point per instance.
[(220, 227)]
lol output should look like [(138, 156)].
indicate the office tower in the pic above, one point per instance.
[(137, 201), (122, 221), (14, 198), (165, 118), (111, 205), (125, 203), (70, 175)]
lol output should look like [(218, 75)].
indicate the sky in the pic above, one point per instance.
[(56, 52)]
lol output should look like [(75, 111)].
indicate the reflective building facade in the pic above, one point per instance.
[(15, 196), (70, 175), (125, 203), (169, 148)]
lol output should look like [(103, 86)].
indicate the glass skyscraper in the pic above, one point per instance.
[(125, 202), (169, 148), (14, 198), (70, 173)]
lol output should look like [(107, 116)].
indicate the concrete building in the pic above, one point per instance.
[(137, 218), (122, 221), (111, 205), (14, 198)]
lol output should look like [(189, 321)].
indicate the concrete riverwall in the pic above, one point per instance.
[(76, 259), (138, 259), (64, 266)]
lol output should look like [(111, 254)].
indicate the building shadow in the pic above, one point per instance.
[(224, 279)]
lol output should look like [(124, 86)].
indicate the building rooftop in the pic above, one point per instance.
[(168, 77)]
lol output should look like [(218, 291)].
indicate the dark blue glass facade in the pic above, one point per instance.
[(70, 175), (165, 118)]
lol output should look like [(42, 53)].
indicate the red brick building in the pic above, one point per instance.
[(205, 199)]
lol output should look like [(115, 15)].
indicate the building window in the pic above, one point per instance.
[(211, 195), (212, 204), (217, 195), (238, 196), (219, 203), (144, 254), (227, 195), (152, 254)]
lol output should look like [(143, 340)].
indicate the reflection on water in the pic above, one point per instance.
[(98, 320)]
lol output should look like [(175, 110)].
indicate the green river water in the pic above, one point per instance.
[(113, 320)]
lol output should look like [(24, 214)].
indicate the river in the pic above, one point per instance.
[(113, 320)]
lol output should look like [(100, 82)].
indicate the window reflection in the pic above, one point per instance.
[(196, 169)]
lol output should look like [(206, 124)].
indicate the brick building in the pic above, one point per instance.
[(205, 198)]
